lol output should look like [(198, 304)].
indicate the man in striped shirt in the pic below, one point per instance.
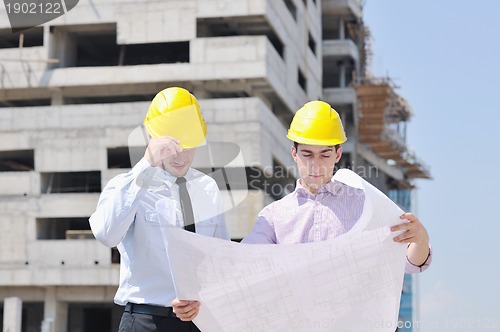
[(319, 209)]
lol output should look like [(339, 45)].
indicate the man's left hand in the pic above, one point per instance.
[(415, 231), (415, 234)]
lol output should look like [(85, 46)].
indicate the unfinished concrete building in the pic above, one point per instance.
[(374, 115), (73, 90)]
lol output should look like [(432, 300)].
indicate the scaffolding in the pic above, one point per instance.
[(382, 124)]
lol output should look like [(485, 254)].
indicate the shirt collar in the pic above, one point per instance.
[(169, 179), (333, 187)]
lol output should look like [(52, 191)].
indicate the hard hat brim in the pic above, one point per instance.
[(311, 141)]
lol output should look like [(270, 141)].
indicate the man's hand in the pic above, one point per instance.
[(186, 310), (416, 235), (415, 231), (160, 149)]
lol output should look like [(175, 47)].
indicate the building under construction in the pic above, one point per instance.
[(73, 90)]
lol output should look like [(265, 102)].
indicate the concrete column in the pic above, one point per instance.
[(57, 97), (47, 324), (12, 314), (200, 93), (341, 29), (55, 313), (342, 74)]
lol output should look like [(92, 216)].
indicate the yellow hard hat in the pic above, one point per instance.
[(317, 123), (175, 112)]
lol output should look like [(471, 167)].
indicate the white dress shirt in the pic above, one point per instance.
[(126, 217)]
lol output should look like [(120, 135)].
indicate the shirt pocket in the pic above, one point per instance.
[(152, 233), (152, 218), (167, 211)]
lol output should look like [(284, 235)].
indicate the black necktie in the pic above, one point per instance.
[(186, 207)]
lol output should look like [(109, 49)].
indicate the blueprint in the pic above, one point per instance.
[(350, 283)]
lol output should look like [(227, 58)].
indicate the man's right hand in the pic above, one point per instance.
[(186, 310), (160, 149)]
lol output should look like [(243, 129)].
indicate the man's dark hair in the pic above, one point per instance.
[(297, 146)]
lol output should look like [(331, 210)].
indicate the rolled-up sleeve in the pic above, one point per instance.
[(411, 268), (263, 231)]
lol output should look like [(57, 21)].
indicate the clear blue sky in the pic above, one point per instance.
[(445, 55)]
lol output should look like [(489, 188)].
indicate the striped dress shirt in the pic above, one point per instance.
[(302, 217)]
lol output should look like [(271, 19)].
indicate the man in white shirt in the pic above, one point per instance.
[(126, 215)]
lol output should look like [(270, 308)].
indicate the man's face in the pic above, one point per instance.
[(179, 165), (316, 164)]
